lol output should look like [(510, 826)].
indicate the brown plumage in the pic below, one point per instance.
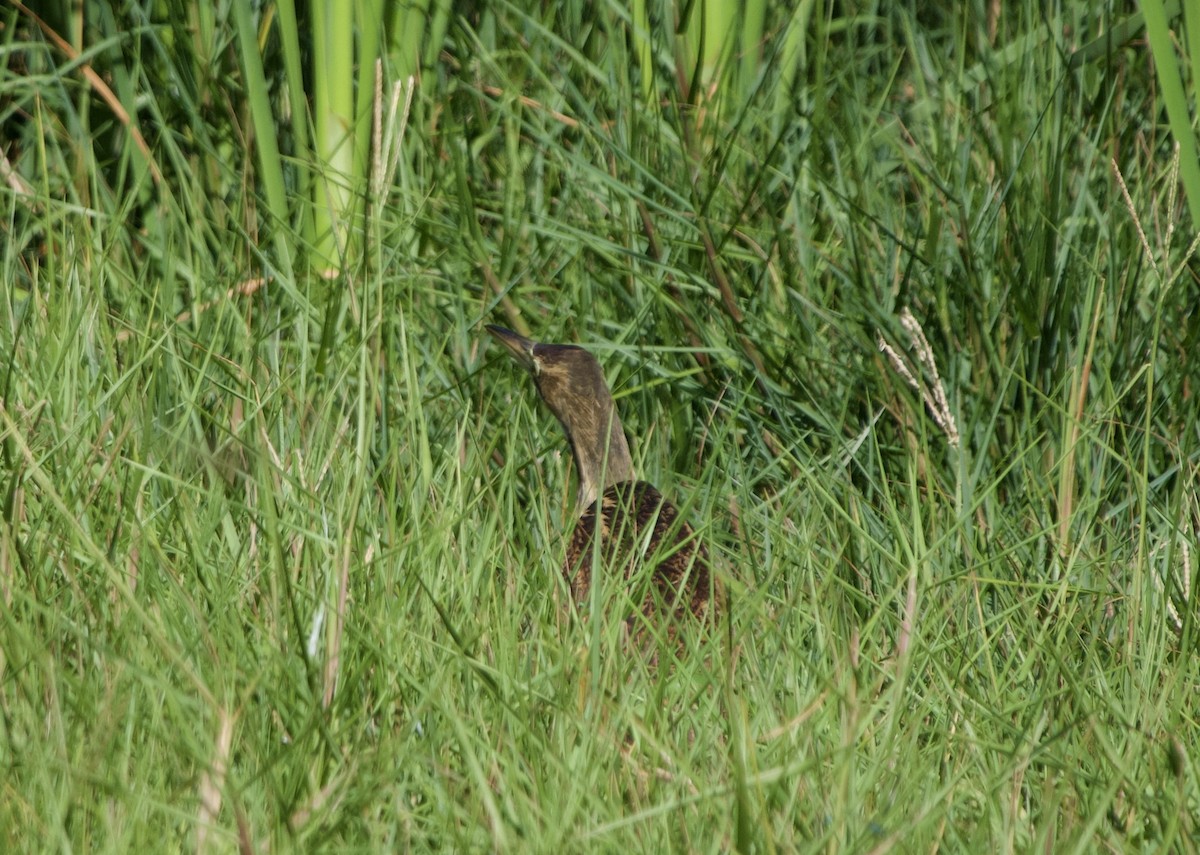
[(639, 529)]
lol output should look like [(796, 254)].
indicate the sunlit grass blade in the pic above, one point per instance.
[(1175, 99)]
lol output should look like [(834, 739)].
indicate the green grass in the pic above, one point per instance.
[(279, 565)]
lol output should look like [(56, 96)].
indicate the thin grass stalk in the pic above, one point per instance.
[(413, 38), (643, 48), (1175, 99), (369, 15), (266, 142), (754, 14), (794, 54), (436, 31), (707, 44), (1191, 28), (289, 37)]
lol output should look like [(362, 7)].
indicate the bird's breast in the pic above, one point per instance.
[(634, 534)]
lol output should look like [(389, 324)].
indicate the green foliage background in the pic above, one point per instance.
[(281, 529)]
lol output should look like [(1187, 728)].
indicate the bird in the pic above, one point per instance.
[(622, 521)]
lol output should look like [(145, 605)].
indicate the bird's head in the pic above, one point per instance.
[(568, 378), (570, 381)]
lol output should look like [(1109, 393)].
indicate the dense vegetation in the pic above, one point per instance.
[(898, 302)]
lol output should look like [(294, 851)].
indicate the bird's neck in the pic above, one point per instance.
[(601, 454)]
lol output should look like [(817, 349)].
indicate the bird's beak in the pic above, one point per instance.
[(520, 347)]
